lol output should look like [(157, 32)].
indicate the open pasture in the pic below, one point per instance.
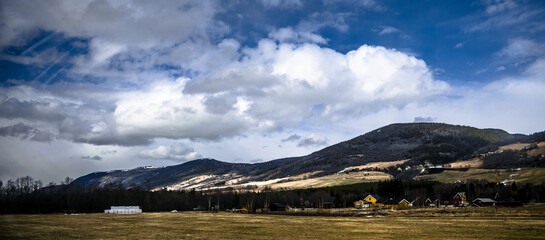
[(207, 225)]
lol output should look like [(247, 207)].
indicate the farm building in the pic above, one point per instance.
[(484, 202), (452, 199), (362, 204), (429, 203), (375, 200), (123, 209), (379, 201), (400, 202)]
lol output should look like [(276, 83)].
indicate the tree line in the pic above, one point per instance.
[(25, 195)]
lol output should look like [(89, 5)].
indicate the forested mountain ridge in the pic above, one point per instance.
[(418, 144)]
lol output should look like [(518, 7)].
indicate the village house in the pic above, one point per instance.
[(451, 199), (400, 202), (375, 200), (458, 199), (429, 203), (483, 202), (361, 204)]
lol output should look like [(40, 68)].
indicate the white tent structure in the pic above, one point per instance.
[(124, 209)]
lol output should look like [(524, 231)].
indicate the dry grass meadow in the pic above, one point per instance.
[(422, 224), (528, 175)]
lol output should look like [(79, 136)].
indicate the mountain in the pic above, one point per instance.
[(409, 146)]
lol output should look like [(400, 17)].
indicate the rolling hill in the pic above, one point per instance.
[(408, 147)]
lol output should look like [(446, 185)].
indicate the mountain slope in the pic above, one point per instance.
[(420, 143)]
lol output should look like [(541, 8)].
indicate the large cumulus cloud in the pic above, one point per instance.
[(270, 87)]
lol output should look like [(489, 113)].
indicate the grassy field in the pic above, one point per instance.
[(473, 163), (334, 180), (202, 225), (529, 175)]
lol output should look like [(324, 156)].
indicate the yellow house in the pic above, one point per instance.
[(400, 202), (374, 200)]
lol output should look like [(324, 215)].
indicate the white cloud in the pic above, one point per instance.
[(510, 104), (522, 48), (312, 140), (459, 45), (498, 6), (96, 157), (123, 41), (319, 20), (176, 152), (501, 14), (367, 4), (289, 35), (424, 119), (291, 80), (44, 110), (387, 30), (268, 88), (291, 138), (282, 3), (141, 24), (164, 111)]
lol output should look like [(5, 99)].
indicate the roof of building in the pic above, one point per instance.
[(484, 200), (379, 198), (489, 195), (445, 196)]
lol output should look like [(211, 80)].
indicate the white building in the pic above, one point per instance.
[(124, 209)]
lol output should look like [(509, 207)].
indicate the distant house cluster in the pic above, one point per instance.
[(373, 200), (458, 199), (124, 210)]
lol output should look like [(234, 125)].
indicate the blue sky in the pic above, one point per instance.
[(98, 85)]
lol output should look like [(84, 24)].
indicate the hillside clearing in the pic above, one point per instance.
[(382, 164), (529, 175), (514, 146), (472, 163), (334, 180), (199, 225), (539, 150)]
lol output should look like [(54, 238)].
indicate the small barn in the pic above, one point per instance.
[(484, 202), (429, 203), (452, 199)]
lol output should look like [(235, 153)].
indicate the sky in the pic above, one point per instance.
[(97, 85)]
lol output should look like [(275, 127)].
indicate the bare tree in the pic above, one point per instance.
[(37, 185), (67, 181), (209, 198)]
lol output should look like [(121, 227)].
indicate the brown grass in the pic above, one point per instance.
[(515, 146), (539, 150), (527, 175), (381, 164), (473, 163), (334, 180), (198, 225)]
